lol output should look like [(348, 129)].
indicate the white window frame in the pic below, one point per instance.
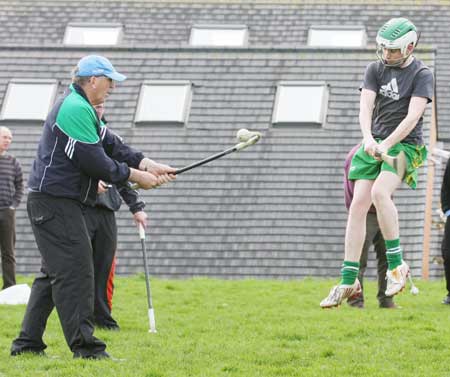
[(9, 96), (278, 116), (183, 113), (73, 27), (218, 28), (332, 32)]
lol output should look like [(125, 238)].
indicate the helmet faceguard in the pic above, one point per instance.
[(397, 33)]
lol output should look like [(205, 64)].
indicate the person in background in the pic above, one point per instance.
[(11, 191), (445, 246), (102, 228)]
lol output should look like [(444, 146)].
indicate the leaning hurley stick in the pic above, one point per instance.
[(151, 312), (398, 162)]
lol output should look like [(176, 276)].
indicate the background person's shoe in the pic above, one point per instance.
[(396, 279), (339, 293), (446, 300), (108, 326), (356, 301), (388, 305)]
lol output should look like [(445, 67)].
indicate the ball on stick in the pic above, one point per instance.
[(244, 135)]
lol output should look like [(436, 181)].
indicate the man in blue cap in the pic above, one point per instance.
[(75, 151)]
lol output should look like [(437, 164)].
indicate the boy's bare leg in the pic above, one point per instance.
[(382, 191), (349, 285), (355, 233)]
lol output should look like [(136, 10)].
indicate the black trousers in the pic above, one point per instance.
[(7, 243), (102, 229), (66, 280), (445, 248)]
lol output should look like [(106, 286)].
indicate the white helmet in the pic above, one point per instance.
[(397, 33)]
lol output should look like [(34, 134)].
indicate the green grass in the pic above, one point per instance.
[(249, 328)]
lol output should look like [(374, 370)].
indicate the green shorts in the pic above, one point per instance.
[(365, 166)]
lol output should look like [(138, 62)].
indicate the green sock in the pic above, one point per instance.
[(349, 272), (394, 253)]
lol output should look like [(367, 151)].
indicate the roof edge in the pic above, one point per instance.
[(265, 49)]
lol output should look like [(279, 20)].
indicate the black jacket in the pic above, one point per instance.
[(76, 150), (445, 189)]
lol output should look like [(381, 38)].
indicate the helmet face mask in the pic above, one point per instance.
[(396, 34)]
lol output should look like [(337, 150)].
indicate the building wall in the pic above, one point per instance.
[(273, 210)]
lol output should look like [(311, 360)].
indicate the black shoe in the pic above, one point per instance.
[(27, 351), (389, 305), (107, 323), (356, 301), (446, 300), (356, 304), (108, 326), (93, 356)]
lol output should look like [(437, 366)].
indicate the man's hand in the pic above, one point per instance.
[(140, 218), (155, 168), (143, 179), (147, 180), (102, 187)]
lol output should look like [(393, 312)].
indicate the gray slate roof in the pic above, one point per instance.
[(274, 210)]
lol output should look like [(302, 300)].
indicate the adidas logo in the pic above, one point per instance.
[(390, 90)]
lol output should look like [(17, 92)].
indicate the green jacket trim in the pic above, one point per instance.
[(77, 119)]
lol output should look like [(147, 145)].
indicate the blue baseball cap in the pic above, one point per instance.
[(96, 65)]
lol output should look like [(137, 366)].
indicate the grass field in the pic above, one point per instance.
[(216, 328)]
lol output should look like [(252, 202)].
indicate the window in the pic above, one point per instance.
[(219, 35), (28, 99), (93, 34), (337, 36), (164, 102), (300, 102)]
